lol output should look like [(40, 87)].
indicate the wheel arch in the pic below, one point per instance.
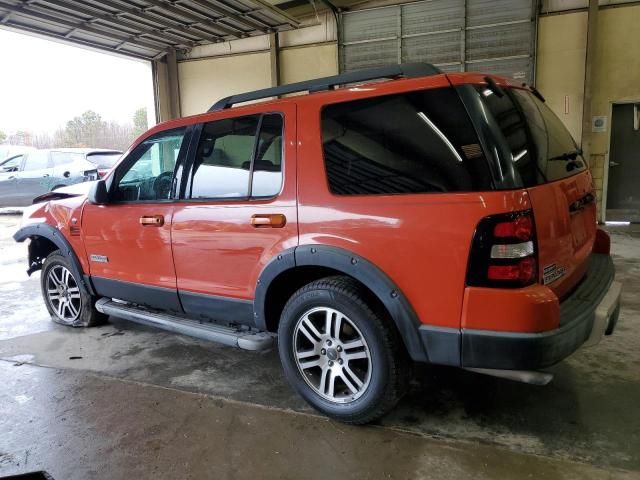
[(44, 240), (300, 265)]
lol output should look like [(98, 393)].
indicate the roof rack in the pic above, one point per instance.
[(407, 70)]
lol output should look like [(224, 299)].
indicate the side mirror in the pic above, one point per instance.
[(98, 194)]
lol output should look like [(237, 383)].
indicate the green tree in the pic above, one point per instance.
[(86, 130), (140, 122), (3, 136)]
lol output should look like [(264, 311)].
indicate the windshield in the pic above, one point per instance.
[(104, 160), (541, 147)]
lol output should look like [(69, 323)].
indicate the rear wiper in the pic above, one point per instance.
[(568, 155)]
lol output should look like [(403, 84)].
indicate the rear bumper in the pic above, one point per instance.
[(585, 316)]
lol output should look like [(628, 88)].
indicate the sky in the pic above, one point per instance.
[(43, 84)]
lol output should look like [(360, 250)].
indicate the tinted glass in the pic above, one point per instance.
[(37, 160), (420, 142), (63, 158), (147, 174), (104, 160), (267, 167), (541, 147)]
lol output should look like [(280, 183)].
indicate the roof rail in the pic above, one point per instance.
[(408, 70)]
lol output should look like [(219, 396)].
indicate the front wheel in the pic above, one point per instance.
[(340, 352), (67, 303)]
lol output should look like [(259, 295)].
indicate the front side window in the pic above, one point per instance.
[(239, 158), (147, 174), (11, 165), (418, 142), (37, 160)]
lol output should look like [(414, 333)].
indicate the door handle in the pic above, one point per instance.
[(613, 164), (152, 221), (11, 177), (268, 220), (45, 175)]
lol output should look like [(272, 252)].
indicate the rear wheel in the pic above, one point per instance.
[(340, 353), (67, 302)]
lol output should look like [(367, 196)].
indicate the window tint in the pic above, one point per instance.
[(63, 158), (541, 147), (37, 160), (222, 167), (418, 142), (147, 173)]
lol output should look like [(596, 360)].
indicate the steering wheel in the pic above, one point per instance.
[(162, 185)]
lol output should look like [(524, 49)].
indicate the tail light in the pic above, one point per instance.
[(504, 252)]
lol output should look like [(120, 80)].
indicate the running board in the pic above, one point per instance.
[(233, 337)]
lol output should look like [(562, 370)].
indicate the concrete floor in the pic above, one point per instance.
[(123, 400)]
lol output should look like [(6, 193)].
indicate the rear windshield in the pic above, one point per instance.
[(103, 160), (418, 142), (542, 149)]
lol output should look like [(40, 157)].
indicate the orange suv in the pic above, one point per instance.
[(388, 215)]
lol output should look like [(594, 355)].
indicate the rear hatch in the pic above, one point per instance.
[(550, 166)]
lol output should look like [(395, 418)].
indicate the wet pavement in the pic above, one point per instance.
[(124, 400)]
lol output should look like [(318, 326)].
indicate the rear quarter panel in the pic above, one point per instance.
[(420, 241)]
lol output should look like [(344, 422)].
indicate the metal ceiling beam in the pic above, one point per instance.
[(276, 11), (86, 43), (232, 14), (27, 11), (116, 22), (156, 18), (214, 23)]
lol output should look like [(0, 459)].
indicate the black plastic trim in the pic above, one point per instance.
[(150, 296), (282, 262), (58, 239), (442, 345), (357, 267), (407, 70), (217, 309)]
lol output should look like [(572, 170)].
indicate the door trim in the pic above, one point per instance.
[(201, 306), (148, 295)]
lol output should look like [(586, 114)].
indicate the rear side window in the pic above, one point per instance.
[(239, 158), (419, 142), (64, 158), (542, 149)]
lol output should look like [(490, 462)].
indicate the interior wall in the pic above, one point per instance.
[(205, 81), (560, 71), (562, 47), (305, 63), (616, 76)]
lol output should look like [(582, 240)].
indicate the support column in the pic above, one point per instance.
[(274, 56), (592, 27), (166, 88)]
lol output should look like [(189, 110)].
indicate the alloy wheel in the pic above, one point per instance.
[(332, 355), (63, 293)]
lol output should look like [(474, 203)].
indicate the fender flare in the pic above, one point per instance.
[(56, 237), (355, 266)]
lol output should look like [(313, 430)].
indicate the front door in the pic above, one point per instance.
[(128, 240), (239, 212), (623, 190), (35, 177)]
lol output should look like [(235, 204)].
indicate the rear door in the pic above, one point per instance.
[(239, 212), (557, 180), (8, 181)]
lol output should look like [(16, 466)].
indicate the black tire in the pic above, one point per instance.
[(87, 315), (388, 363)]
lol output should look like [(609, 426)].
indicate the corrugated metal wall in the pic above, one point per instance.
[(493, 36)]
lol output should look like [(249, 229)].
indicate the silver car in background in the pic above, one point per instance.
[(25, 177)]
